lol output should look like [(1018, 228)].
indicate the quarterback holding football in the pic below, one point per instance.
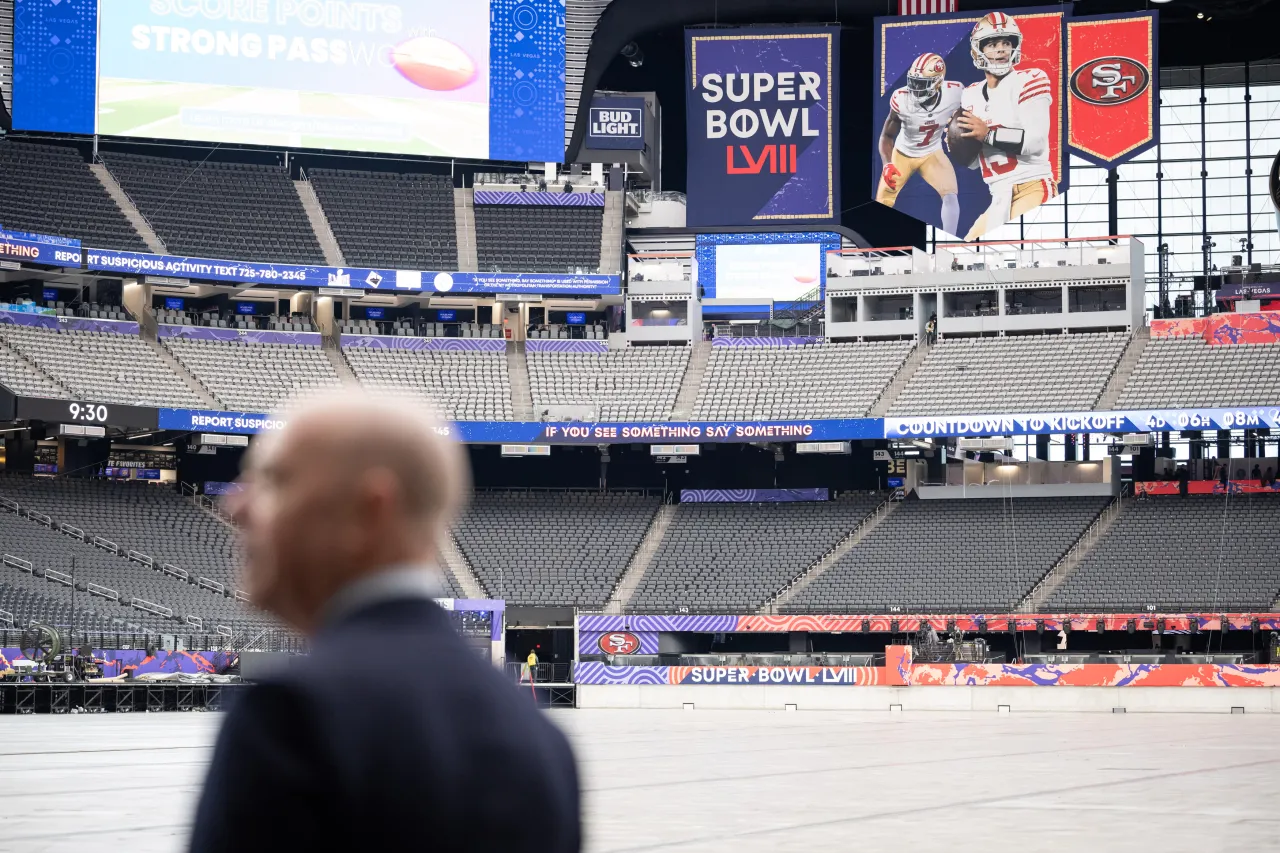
[(1003, 125), (911, 140)]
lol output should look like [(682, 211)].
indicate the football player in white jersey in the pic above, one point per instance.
[(911, 140), (1009, 113)]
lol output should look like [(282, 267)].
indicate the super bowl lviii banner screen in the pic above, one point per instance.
[(968, 127), (763, 119)]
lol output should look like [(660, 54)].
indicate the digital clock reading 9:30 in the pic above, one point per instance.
[(88, 412)]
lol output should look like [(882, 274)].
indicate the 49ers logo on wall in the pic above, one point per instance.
[(619, 643), (1113, 111), (1110, 81)]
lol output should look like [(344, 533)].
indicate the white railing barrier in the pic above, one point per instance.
[(10, 505), (194, 621), (151, 607), (241, 595), (58, 577), (205, 583), (171, 569), (6, 617), (40, 517), (72, 531), (139, 557), (18, 563), (223, 630), (104, 591), (106, 545)]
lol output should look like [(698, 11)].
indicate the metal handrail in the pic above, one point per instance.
[(174, 571), (6, 616), (10, 505), (59, 577), (205, 583), (72, 530), (241, 595), (139, 557), (194, 621), (151, 607), (104, 591), (106, 545), (18, 563), (40, 517)]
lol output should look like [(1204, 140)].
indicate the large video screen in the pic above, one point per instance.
[(480, 79), (780, 272)]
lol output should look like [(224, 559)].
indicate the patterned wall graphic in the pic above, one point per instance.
[(545, 199), (1223, 329), (751, 495), (590, 672), (557, 345), (1206, 487), (116, 662), (1094, 675), (907, 623)]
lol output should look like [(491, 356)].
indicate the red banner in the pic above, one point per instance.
[(1113, 108), (1206, 487)]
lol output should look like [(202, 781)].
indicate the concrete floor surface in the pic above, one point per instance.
[(743, 781)]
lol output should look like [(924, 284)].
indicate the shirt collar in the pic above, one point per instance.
[(397, 583)]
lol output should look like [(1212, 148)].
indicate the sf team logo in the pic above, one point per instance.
[(1110, 80), (619, 643)]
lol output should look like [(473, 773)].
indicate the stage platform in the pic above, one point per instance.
[(114, 698)]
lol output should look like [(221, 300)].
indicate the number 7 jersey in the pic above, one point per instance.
[(923, 127), (1023, 100)]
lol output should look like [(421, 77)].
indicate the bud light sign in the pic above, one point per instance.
[(616, 123), (762, 125)]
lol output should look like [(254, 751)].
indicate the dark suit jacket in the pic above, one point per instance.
[(392, 735)]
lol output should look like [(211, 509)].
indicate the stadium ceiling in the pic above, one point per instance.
[(1192, 32)]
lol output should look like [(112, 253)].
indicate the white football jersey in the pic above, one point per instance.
[(1022, 99), (923, 128)]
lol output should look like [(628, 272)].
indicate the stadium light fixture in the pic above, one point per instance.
[(633, 54)]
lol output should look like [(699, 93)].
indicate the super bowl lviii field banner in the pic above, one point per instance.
[(763, 124), (968, 127)]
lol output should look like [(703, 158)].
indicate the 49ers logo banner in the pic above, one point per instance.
[(1113, 109), (762, 125)]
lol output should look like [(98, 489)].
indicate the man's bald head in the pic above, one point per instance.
[(353, 485)]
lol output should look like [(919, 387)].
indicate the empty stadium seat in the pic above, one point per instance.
[(384, 219), (1023, 373), (552, 547), (99, 366), (48, 189), (632, 384), (253, 377), (812, 381), (1194, 552), (48, 548), (219, 210), (530, 238), (948, 556), (733, 557), (20, 375), (1187, 372), (464, 386)]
